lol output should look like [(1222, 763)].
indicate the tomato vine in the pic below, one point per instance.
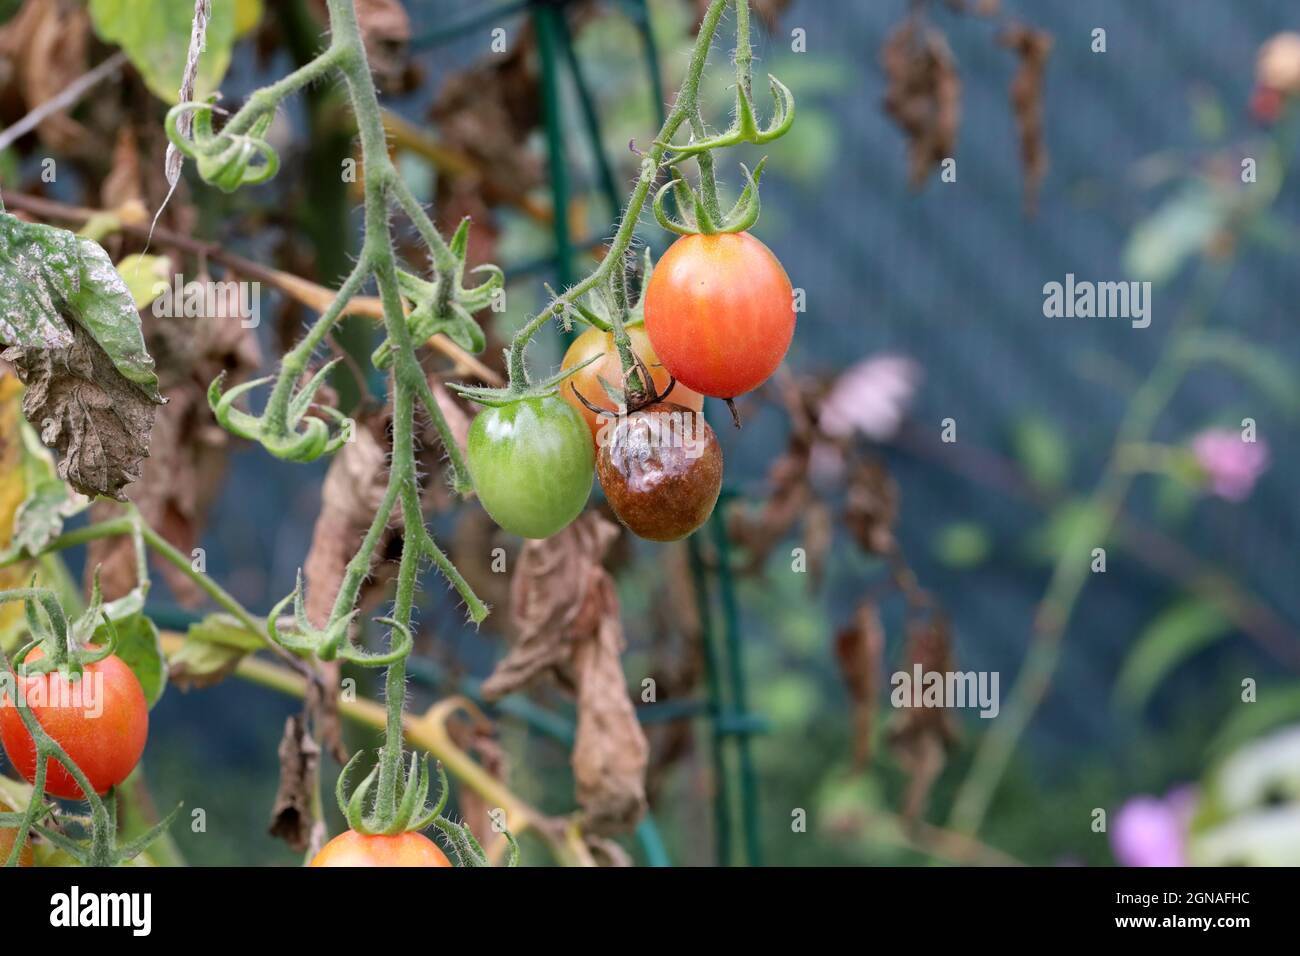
[(390, 800)]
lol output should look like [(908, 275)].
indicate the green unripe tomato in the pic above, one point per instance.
[(532, 464)]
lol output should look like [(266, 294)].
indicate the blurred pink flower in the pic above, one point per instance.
[(1231, 465), (1149, 831), (871, 397)]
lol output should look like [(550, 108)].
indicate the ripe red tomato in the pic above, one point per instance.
[(102, 725), (351, 848), (610, 368), (7, 835), (661, 469), (719, 311)]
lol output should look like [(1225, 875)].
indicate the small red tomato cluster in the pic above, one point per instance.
[(719, 317)]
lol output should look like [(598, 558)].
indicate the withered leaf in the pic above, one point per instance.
[(610, 750), (919, 737), (871, 506), (565, 611), (1032, 48), (924, 94), (860, 650), (548, 595), (83, 406), (291, 814)]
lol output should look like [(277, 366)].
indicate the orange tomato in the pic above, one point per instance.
[(351, 848), (587, 381), (719, 311)]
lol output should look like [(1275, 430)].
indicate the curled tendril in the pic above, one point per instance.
[(740, 217), (412, 813), (226, 160), (745, 128), (279, 433), (444, 305)]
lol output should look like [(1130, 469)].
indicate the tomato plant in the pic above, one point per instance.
[(586, 381), (661, 469), (99, 718), (720, 312), (408, 849), (531, 462), (528, 455)]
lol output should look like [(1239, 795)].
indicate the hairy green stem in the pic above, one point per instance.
[(683, 107)]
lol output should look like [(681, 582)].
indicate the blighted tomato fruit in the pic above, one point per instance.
[(661, 468)]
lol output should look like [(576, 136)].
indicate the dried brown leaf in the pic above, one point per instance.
[(920, 737), (549, 606), (924, 94), (860, 650), (124, 183), (291, 814), (1032, 48), (871, 506), (566, 616), (610, 750), (97, 420), (47, 44)]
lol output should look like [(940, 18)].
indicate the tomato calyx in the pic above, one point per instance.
[(695, 210), (638, 390), (65, 645), (444, 305), (410, 814)]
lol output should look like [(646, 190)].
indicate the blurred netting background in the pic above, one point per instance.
[(950, 276)]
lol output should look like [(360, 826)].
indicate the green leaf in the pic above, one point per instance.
[(1170, 638), (155, 35), (213, 648), (145, 277), (138, 645), (40, 270), (8, 8), (1267, 371), (1042, 452), (1161, 243), (104, 307)]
